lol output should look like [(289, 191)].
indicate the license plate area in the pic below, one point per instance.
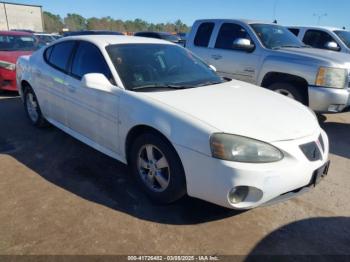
[(320, 174)]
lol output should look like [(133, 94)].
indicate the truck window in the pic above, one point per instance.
[(295, 31), (203, 34), (317, 38), (228, 34)]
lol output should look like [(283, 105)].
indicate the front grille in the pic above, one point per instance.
[(311, 151)]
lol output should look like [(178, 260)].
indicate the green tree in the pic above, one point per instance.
[(52, 23), (75, 22)]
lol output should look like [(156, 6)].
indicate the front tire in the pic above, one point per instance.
[(32, 108), (157, 168), (290, 91)]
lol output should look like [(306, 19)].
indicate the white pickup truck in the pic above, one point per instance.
[(329, 38), (270, 56)]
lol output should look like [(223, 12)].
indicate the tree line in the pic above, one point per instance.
[(75, 22)]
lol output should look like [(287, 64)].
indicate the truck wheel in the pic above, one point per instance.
[(290, 91), (157, 168), (32, 108)]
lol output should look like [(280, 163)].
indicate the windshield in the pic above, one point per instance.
[(344, 36), (159, 66), (18, 43), (45, 38), (276, 36)]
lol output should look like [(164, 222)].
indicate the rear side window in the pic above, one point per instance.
[(47, 53), (60, 54), (295, 31), (317, 38), (228, 34), (89, 59), (203, 34)]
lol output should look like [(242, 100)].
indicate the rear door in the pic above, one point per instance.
[(199, 43), (51, 80)]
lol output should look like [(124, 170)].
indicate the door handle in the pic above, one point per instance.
[(70, 88), (216, 57)]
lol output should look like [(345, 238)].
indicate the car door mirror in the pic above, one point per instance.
[(97, 81), (333, 46), (243, 44)]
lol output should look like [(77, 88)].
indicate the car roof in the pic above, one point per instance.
[(14, 33), (246, 21), (318, 27), (105, 40)]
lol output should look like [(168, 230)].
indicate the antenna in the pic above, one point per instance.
[(274, 10)]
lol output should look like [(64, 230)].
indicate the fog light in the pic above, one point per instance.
[(238, 194)]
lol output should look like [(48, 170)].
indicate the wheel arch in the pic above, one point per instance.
[(297, 81)]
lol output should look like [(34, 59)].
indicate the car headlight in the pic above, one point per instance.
[(243, 149), (332, 77), (7, 65)]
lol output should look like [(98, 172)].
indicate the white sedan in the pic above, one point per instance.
[(180, 127)]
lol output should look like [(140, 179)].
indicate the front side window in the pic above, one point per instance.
[(228, 34), (59, 54), (88, 59), (344, 36), (204, 34), (317, 38), (160, 66), (18, 43), (276, 36)]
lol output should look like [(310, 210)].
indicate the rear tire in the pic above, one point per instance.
[(157, 168), (290, 91), (32, 108)]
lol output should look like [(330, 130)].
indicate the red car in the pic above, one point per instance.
[(13, 45)]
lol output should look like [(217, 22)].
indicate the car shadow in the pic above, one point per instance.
[(323, 237), (339, 137), (81, 170)]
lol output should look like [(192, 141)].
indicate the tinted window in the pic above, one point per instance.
[(60, 54), (88, 59), (344, 36), (203, 34), (18, 43), (295, 31), (317, 39), (228, 34)]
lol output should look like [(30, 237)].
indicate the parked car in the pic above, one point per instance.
[(328, 38), (13, 44), (179, 126), (91, 32), (270, 56), (162, 35), (44, 39)]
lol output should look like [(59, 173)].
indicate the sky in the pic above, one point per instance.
[(287, 12)]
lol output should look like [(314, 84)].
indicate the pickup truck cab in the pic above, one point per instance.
[(329, 38), (270, 56)]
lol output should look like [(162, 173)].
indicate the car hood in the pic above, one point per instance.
[(12, 56), (243, 109), (319, 54)]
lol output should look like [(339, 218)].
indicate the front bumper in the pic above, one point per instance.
[(8, 80), (328, 100), (211, 179)]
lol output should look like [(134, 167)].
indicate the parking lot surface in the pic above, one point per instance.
[(58, 196)]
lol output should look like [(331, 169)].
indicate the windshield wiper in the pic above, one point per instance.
[(176, 87), (209, 83)]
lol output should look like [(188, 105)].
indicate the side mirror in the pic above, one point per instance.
[(243, 44), (212, 68), (333, 46), (97, 81)]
